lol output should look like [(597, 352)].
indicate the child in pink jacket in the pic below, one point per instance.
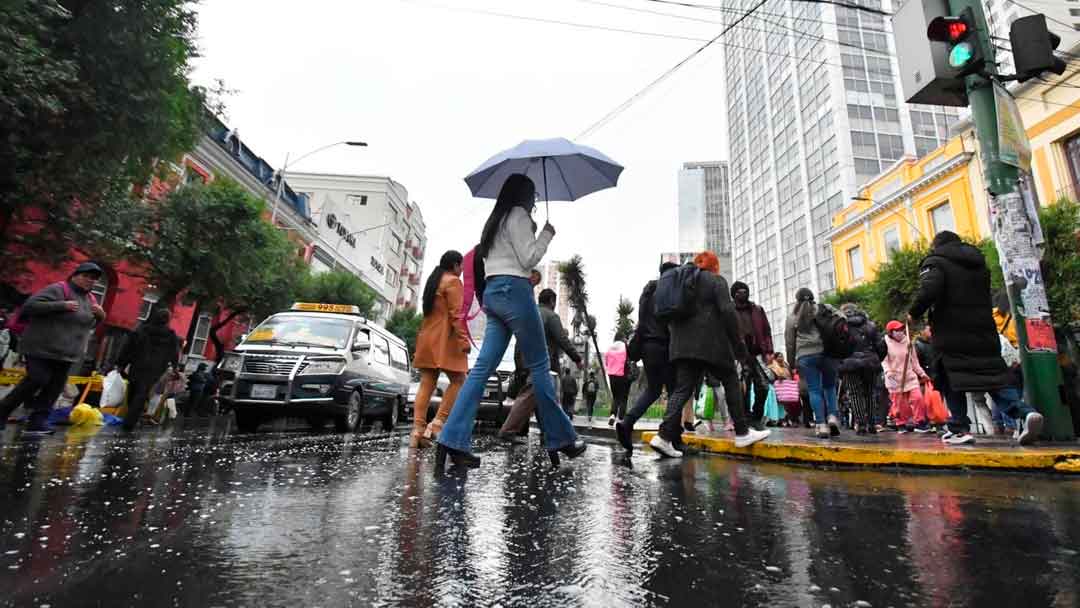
[(903, 379)]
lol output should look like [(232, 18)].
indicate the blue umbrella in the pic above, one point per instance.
[(561, 170)]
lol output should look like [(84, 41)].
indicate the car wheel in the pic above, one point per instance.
[(351, 418), (390, 420), (247, 421)]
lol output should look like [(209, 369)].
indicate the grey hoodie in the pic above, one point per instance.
[(53, 331), (801, 342)]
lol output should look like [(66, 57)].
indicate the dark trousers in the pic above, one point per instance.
[(138, 395), (38, 390), (568, 401), (689, 375), (590, 403), (620, 392), (754, 376), (859, 394), (659, 376)]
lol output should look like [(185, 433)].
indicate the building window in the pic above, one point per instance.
[(148, 300), (1072, 155), (892, 240), (395, 243), (356, 199), (941, 218), (391, 277), (201, 336), (855, 264)]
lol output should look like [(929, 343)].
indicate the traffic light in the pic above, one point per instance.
[(958, 33), (1033, 47)]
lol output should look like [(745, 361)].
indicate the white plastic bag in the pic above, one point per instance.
[(113, 389)]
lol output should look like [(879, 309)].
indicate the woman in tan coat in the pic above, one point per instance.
[(442, 345)]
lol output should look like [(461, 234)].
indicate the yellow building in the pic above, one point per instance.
[(944, 190)]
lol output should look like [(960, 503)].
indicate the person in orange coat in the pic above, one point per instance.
[(442, 345)]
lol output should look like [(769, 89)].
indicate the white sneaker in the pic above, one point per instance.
[(750, 438), (664, 446), (611, 420), (960, 439), (947, 435), (1033, 425)]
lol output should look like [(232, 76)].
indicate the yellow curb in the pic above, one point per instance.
[(1063, 460)]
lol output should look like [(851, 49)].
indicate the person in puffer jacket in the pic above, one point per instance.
[(858, 373), (904, 378)]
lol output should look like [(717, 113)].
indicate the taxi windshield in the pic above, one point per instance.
[(302, 330)]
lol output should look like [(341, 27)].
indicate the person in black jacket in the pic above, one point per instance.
[(859, 372), (659, 371), (755, 331), (153, 349), (954, 286), (705, 341), (589, 391), (569, 387)]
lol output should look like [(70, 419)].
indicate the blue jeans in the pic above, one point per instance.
[(1006, 400), (820, 374), (510, 309)]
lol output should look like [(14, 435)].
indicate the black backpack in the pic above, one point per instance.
[(836, 336), (675, 294)]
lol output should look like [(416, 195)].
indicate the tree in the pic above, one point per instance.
[(1061, 259), (338, 287), (405, 324), (210, 244), (624, 325), (861, 295), (92, 94)]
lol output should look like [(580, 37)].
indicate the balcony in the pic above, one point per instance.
[(414, 279), (417, 252)]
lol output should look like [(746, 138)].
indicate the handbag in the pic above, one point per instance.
[(633, 347)]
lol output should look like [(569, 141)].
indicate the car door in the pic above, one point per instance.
[(399, 363), (383, 387)]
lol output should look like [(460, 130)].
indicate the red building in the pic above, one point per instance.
[(128, 299)]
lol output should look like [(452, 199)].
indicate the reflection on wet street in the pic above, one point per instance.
[(199, 517)]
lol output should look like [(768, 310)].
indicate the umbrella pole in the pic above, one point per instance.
[(547, 203)]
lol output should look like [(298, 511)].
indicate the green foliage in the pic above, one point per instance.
[(405, 324), (861, 295), (896, 283), (92, 95), (1061, 259), (624, 325), (993, 262), (338, 287)]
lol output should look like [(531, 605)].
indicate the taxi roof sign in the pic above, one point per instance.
[(344, 309)]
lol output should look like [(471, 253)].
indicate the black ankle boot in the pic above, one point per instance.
[(572, 451), (457, 457)]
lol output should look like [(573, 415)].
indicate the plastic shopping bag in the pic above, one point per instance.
[(705, 404), (935, 405), (83, 414), (113, 389)]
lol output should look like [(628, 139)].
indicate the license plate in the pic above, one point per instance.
[(263, 391)]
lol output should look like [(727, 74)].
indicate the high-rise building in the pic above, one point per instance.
[(814, 109), (704, 210)]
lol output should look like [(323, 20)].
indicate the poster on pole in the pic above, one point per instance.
[(1013, 145)]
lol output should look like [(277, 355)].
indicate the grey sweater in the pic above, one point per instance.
[(54, 332), (801, 343)]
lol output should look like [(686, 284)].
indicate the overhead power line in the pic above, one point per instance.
[(1048, 17)]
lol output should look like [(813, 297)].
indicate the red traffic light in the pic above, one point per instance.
[(950, 29)]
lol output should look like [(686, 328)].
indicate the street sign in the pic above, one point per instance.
[(1014, 148)]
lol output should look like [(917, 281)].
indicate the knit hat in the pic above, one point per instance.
[(737, 285), (894, 325), (804, 295)]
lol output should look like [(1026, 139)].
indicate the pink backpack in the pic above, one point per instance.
[(18, 322)]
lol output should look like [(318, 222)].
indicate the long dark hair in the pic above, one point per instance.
[(446, 264), (517, 191)]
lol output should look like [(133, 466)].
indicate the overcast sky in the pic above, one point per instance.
[(435, 91)]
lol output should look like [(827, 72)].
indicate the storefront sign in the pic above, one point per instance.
[(377, 265), (341, 230)]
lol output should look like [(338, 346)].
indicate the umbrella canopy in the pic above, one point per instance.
[(561, 170)]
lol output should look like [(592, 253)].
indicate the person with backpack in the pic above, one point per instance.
[(806, 346), (653, 336), (696, 302), (589, 390), (509, 249), (755, 331), (56, 323), (616, 365), (954, 287), (153, 350), (859, 372), (569, 388)]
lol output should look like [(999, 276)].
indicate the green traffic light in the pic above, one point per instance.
[(961, 54)]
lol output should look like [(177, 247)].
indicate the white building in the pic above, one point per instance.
[(704, 217), (373, 225), (551, 278), (814, 109), (1062, 18)]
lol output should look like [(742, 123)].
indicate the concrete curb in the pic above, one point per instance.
[(1051, 460)]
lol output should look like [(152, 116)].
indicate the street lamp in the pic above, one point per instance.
[(285, 166)]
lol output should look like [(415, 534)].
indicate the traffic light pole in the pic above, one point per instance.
[(1015, 237)]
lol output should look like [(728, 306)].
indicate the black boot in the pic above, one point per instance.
[(572, 451), (457, 458), (625, 434)]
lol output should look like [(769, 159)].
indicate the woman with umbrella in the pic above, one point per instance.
[(508, 251)]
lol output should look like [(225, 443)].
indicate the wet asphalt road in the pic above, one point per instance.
[(201, 517)]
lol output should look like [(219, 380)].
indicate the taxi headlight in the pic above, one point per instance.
[(231, 363), (323, 367)]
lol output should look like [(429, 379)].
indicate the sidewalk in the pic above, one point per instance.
[(882, 450)]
